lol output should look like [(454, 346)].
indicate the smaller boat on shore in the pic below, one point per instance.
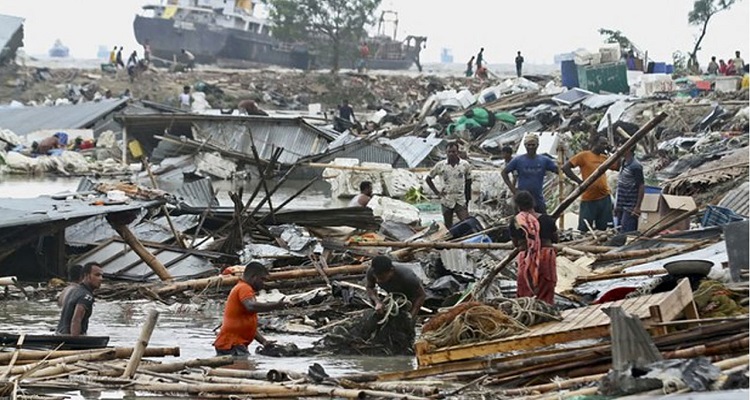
[(59, 50), (66, 342)]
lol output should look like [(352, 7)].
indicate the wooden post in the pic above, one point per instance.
[(124, 145), (141, 344), (129, 237), (560, 182), (607, 163)]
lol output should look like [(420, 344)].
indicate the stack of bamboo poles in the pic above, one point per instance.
[(723, 340)]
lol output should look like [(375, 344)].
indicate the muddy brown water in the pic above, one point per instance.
[(189, 327)]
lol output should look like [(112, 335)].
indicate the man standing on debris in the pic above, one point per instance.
[(113, 56), (394, 279), (79, 303), (118, 59), (713, 67), (190, 58), (75, 274), (469, 67), (739, 63), (345, 118), (147, 51), (507, 153), (240, 324), (531, 168), (186, 99), (364, 196), (596, 202), (519, 64), (534, 234), (630, 191), (456, 176), (480, 58)]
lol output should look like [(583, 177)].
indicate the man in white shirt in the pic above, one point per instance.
[(456, 192), (364, 196)]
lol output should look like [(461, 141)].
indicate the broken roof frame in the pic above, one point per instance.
[(25, 120), (298, 137)]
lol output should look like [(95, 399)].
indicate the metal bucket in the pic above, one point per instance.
[(689, 267)]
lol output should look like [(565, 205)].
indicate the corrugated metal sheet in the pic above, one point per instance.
[(738, 199), (366, 151), (414, 149), (297, 137), (199, 193), (25, 120), (95, 230), (43, 209), (118, 260)]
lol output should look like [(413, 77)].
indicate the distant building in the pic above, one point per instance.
[(446, 56)]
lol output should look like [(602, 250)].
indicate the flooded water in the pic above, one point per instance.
[(189, 328)]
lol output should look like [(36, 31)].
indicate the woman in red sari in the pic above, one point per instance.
[(534, 234)]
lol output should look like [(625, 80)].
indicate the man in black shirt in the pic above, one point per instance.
[(79, 302), (394, 279)]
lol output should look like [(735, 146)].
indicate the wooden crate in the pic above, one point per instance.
[(577, 324)]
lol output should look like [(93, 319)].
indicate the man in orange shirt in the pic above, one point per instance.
[(240, 325), (596, 202)]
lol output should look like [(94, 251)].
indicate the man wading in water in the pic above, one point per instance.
[(78, 304)]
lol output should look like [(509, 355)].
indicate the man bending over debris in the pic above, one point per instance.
[(240, 324), (456, 193), (79, 303), (394, 279)]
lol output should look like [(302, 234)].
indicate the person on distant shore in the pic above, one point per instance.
[(722, 67), (239, 326), (713, 67), (190, 59), (118, 59), (394, 279), (364, 53), (731, 69), (74, 279), (79, 303), (480, 58), (456, 193), (534, 234), (470, 67), (739, 63), (519, 64), (132, 64), (364, 196), (186, 100), (147, 51), (113, 56), (250, 108)]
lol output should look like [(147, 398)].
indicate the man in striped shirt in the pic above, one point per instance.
[(630, 190)]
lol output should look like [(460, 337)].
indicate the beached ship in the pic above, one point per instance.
[(219, 31)]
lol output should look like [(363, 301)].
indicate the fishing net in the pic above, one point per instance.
[(474, 322), (389, 333)]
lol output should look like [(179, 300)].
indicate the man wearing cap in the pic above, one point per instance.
[(596, 201), (531, 168)]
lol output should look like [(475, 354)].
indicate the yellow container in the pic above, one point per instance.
[(746, 81), (135, 148)]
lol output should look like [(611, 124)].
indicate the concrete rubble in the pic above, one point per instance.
[(698, 152)]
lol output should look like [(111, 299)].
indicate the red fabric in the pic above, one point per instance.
[(615, 294), (239, 325), (544, 290)]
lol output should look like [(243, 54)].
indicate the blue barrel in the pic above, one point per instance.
[(670, 69), (660, 68), (651, 189), (569, 72)]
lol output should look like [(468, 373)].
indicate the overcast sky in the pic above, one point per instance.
[(538, 28)]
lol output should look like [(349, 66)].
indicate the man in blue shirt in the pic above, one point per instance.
[(531, 169)]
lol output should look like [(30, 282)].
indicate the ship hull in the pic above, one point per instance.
[(167, 38)]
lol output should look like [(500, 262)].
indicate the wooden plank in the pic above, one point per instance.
[(578, 324)]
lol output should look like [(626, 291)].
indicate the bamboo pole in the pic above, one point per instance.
[(100, 355), (625, 255), (271, 375), (13, 359), (194, 363), (141, 343), (135, 244), (228, 280), (605, 277), (485, 246), (629, 144), (481, 286), (669, 253), (120, 353), (546, 387)]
